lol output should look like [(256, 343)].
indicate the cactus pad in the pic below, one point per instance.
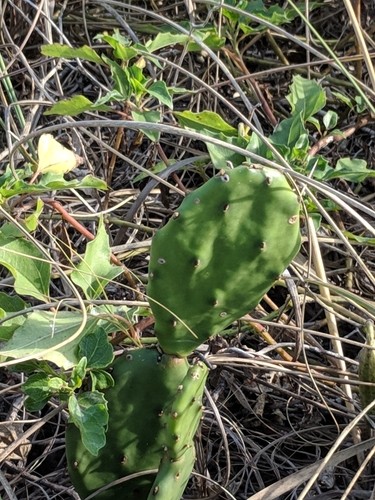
[(181, 419), (220, 253), (145, 382)]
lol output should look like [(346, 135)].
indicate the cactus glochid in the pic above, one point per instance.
[(220, 253)]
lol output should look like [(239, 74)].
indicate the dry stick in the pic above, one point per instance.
[(112, 163), (241, 65), (88, 235), (331, 321), (322, 143), (276, 490)]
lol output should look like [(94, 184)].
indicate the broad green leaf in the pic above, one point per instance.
[(44, 330), (350, 169), (27, 265), (148, 117), (306, 97), (89, 412), (161, 92), (74, 106), (205, 121), (330, 119), (96, 271), (96, 348), (85, 52)]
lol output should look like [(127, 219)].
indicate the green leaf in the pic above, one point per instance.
[(288, 133), (121, 78), (79, 373), (148, 117), (32, 220), (9, 305), (166, 40), (306, 97), (44, 330), (85, 52), (74, 106), (121, 45), (205, 121), (220, 155), (155, 169), (350, 169), (360, 239), (97, 349), (95, 271), (330, 119), (101, 380), (161, 92), (50, 182), (36, 387), (27, 265), (89, 412)]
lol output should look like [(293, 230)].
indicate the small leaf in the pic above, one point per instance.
[(205, 121), (101, 380), (351, 169), (32, 220), (330, 119), (306, 97), (85, 53), (74, 106), (121, 45), (79, 373), (89, 412), (148, 117), (95, 271), (166, 40), (97, 349), (161, 92)]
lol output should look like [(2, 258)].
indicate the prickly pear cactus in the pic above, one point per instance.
[(146, 382), (181, 419), (220, 253), (366, 369)]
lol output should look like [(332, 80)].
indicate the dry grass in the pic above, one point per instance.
[(282, 417)]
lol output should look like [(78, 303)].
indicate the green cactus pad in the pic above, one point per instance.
[(145, 382), (181, 419), (220, 253)]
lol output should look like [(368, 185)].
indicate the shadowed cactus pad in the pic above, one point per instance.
[(220, 253), (146, 382)]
